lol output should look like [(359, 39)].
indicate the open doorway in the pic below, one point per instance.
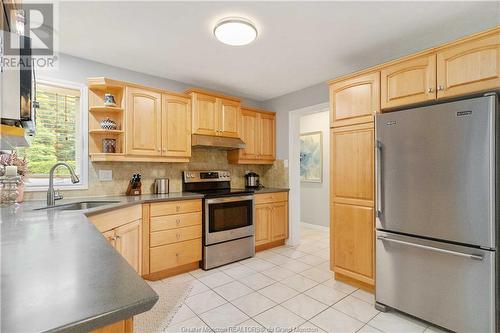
[(309, 193)]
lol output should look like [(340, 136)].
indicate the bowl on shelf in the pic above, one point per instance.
[(109, 100), (108, 124)]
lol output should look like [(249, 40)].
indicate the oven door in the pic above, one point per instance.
[(228, 218)]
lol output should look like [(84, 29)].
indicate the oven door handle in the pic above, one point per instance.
[(229, 199)]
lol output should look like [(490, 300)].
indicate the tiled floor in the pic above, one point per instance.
[(283, 289)]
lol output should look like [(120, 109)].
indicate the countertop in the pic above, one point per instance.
[(60, 274), (270, 190)]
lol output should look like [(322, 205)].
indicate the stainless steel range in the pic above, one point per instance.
[(228, 217)]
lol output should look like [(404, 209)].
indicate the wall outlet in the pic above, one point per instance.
[(105, 175), (285, 163)]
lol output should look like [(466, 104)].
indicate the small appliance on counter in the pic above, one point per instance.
[(134, 186), (161, 186), (252, 180)]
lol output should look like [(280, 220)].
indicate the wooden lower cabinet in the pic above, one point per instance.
[(172, 238), (352, 237), (271, 219), (124, 326)]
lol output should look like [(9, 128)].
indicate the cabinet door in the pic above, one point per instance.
[(263, 224), (279, 226), (408, 82), (250, 134), (176, 126), (355, 101), (267, 136), (110, 236), (352, 164), (471, 66), (353, 241), (229, 118), (143, 130), (129, 243), (205, 114)]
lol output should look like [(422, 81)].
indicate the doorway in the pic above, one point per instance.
[(309, 208)]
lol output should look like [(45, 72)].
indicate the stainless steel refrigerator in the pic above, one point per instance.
[(437, 230)]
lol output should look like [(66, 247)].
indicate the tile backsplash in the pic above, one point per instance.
[(275, 175)]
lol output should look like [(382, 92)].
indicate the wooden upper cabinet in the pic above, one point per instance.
[(143, 129), (267, 136), (352, 164), (176, 126), (215, 115), (258, 131), (205, 114), (129, 243), (355, 101), (229, 118), (408, 82), (469, 66), (250, 134)]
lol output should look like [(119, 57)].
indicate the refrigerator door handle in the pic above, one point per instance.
[(431, 248), (378, 176)]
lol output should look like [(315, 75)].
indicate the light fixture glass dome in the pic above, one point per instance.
[(235, 31)]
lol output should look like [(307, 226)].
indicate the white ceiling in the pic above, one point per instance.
[(299, 44)]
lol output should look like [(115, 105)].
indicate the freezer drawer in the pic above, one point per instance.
[(436, 171), (448, 285)]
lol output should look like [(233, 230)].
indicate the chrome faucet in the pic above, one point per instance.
[(53, 195)]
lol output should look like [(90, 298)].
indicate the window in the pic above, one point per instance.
[(60, 128)]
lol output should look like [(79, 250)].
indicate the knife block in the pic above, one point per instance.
[(133, 191)]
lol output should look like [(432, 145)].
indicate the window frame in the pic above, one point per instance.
[(83, 144)]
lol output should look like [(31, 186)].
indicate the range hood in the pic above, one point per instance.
[(218, 142)]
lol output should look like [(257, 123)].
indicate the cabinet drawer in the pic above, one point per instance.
[(116, 218), (270, 197), (175, 235), (175, 207), (175, 221), (173, 255)]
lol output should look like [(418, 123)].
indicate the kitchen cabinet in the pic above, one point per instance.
[(271, 219), (469, 66), (355, 100), (123, 326), (173, 239), (408, 82), (258, 131), (175, 126), (352, 221), (123, 230), (353, 241), (229, 118), (215, 114), (143, 129)]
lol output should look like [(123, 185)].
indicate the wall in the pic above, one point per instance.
[(282, 105), (202, 159), (77, 70), (314, 208)]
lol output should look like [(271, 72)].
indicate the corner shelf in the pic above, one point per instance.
[(105, 131), (105, 109)]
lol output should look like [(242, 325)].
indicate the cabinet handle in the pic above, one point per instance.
[(440, 88), (177, 235), (178, 221), (164, 149), (177, 208), (430, 90), (112, 238), (118, 237)]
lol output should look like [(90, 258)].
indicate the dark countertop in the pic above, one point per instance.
[(59, 274), (271, 190)]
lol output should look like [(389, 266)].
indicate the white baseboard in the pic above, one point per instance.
[(315, 226)]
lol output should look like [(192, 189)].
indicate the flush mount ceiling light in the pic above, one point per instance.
[(235, 31)]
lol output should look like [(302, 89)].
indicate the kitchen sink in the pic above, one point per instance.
[(79, 205)]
